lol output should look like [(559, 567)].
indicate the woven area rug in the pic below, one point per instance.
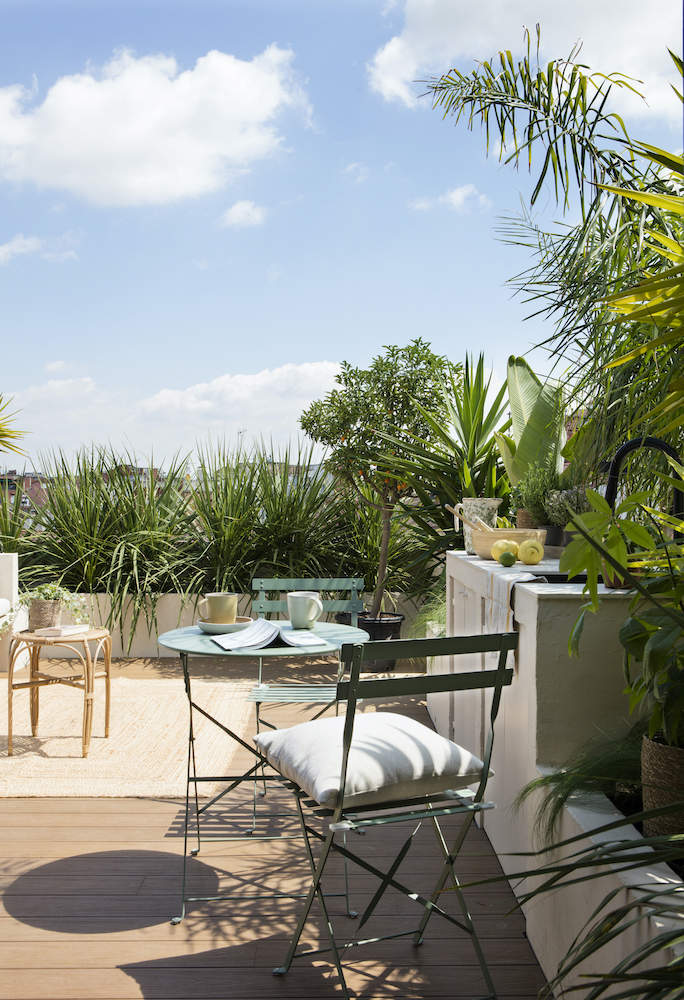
[(146, 753)]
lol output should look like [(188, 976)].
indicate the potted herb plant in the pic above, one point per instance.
[(46, 604)]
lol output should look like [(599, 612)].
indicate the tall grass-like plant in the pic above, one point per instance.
[(12, 521), (107, 526), (301, 516), (226, 504)]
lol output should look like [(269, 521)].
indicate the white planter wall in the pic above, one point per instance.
[(552, 708)]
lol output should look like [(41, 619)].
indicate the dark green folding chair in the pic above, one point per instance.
[(363, 770)]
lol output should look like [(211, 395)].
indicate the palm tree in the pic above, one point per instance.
[(9, 435)]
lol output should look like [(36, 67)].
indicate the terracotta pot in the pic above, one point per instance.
[(44, 614), (662, 776)]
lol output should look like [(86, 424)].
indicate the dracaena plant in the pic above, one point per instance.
[(459, 459)]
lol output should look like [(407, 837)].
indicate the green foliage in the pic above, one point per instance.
[(54, 592), (533, 491), (409, 570), (608, 764), (302, 526), (9, 435), (12, 520), (654, 642), (537, 423), (459, 459), (225, 496), (391, 396), (108, 526), (561, 504)]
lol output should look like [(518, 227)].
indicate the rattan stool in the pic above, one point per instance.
[(84, 680)]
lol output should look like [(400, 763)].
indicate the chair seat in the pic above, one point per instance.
[(391, 757), (293, 694)]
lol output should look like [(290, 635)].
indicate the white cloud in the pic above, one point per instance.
[(55, 250), (55, 366), (243, 214), (68, 413), (632, 38), (143, 131), (357, 171), (19, 245), (460, 199)]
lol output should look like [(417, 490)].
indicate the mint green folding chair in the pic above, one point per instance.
[(296, 693), (364, 770)]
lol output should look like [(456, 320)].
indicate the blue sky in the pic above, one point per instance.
[(207, 205)]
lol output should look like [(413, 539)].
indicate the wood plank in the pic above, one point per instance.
[(175, 981), (90, 884)]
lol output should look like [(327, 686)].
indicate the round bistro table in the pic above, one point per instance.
[(192, 641)]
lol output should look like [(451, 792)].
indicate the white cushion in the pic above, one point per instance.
[(391, 757), (4, 607)]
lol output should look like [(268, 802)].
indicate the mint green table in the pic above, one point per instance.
[(189, 642)]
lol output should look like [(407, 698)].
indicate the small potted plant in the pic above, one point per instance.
[(560, 506), (47, 602), (529, 497)]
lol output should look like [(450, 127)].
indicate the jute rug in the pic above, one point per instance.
[(146, 753)]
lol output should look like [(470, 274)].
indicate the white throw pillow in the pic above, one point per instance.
[(391, 757)]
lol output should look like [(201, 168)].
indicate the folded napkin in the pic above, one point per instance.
[(499, 611)]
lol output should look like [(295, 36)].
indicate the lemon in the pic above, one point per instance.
[(531, 552), (504, 545)]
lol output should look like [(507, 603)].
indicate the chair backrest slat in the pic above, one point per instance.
[(404, 649), (263, 604), (424, 684)]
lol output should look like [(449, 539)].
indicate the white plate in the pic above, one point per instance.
[(216, 628)]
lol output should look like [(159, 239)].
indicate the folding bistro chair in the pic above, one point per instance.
[(364, 770), (262, 604)]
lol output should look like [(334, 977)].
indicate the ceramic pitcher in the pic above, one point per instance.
[(483, 507)]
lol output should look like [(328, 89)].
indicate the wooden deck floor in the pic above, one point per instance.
[(89, 885)]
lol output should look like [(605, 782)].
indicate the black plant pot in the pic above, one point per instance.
[(385, 626), (554, 534)]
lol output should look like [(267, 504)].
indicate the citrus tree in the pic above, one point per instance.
[(391, 396)]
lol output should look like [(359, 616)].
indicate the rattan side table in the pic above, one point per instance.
[(85, 680)]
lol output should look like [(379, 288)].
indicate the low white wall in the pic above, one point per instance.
[(9, 589), (554, 705), (172, 613)]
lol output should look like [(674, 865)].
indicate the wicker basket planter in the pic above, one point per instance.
[(662, 775), (44, 614), (524, 519)]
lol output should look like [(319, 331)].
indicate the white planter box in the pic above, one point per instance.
[(552, 708)]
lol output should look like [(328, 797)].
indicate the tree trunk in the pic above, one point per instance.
[(382, 561)]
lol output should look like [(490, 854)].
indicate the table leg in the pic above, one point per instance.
[(34, 691), (15, 646), (107, 650), (88, 697)]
